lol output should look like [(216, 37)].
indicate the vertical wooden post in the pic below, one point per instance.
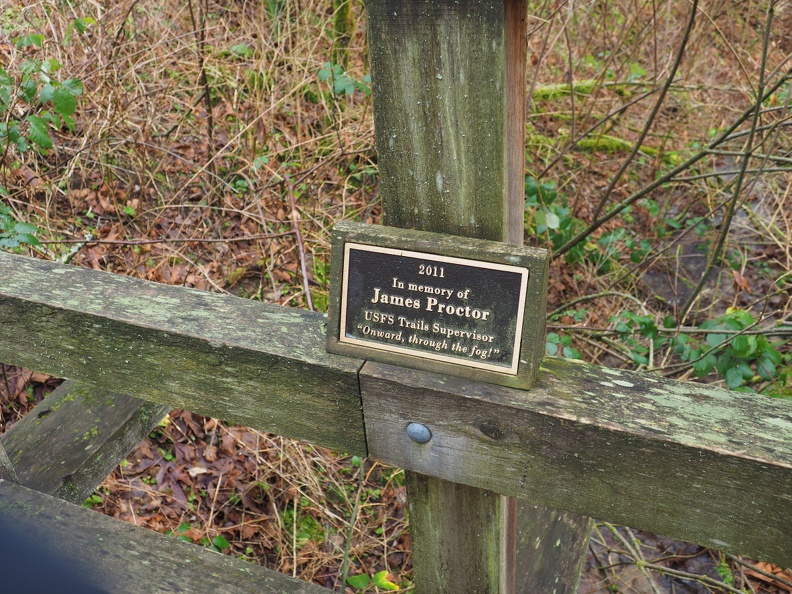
[(449, 109), (449, 92)]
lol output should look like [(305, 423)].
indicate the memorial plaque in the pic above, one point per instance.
[(441, 308), (437, 302)]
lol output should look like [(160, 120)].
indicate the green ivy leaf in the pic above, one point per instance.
[(46, 93), (52, 119), (742, 318), (531, 187), (359, 581), (380, 579), (715, 339), (38, 133), (734, 378), (30, 39), (64, 102), (27, 90), (552, 220), (21, 228), (766, 369), (744, 346), (74, 86), (745, 370), (5, 79), (325, 72), (82, 24), (703, 366), (51, 65), (68, 121), (220, 542)]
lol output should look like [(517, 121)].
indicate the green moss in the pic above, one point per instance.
[(582, 87)]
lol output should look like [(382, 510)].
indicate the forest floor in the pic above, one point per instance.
[(214, 143)]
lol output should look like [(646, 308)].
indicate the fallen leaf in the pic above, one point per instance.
[(741, 282)]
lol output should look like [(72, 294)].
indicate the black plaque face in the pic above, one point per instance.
[(442, 308)]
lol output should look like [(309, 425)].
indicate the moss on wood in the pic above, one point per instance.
[(249, 363), (686, 460)]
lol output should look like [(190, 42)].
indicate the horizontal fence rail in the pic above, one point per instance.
[(74, 438), (121, 558), (258, 365), (686, 460)]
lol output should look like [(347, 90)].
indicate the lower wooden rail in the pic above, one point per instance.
[(120, 558), (74, 438)]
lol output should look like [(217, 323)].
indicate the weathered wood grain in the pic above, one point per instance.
[(466, 538), (551, 549), (440, 124), (74, 438), (124, 559), (443, 96), (254, 364), (686, 460)]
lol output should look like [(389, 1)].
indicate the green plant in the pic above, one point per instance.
[(307, 528), (740, 358), (341, 82), (731, 348), (725, 572), (549, 216), (379, 579), (183, 531), (632, 329), (92, 500), (49, 101), (217, 543), (13, 234), (557, 345)]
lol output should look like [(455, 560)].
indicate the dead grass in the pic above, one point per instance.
[(209, 154)]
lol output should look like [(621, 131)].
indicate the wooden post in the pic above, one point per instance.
[(449, 109)]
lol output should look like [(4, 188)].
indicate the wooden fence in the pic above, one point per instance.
[(689, 461)]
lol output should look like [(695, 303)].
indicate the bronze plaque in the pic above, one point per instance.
[(435, 307), (436, 302)]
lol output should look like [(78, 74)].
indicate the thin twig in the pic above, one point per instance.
[(168, 240), (569, 304), (200, 35), (300, 247), (728, 172), (653, 115), (752, 567), (703, 579), (780, 331), (664, 179), (351, 531), (715, 254)]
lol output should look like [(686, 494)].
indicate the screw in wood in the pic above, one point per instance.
[(418, 433)]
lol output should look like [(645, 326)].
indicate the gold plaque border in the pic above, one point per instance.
[(523, 272)]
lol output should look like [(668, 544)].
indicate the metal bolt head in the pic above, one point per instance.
[(419, 433)]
